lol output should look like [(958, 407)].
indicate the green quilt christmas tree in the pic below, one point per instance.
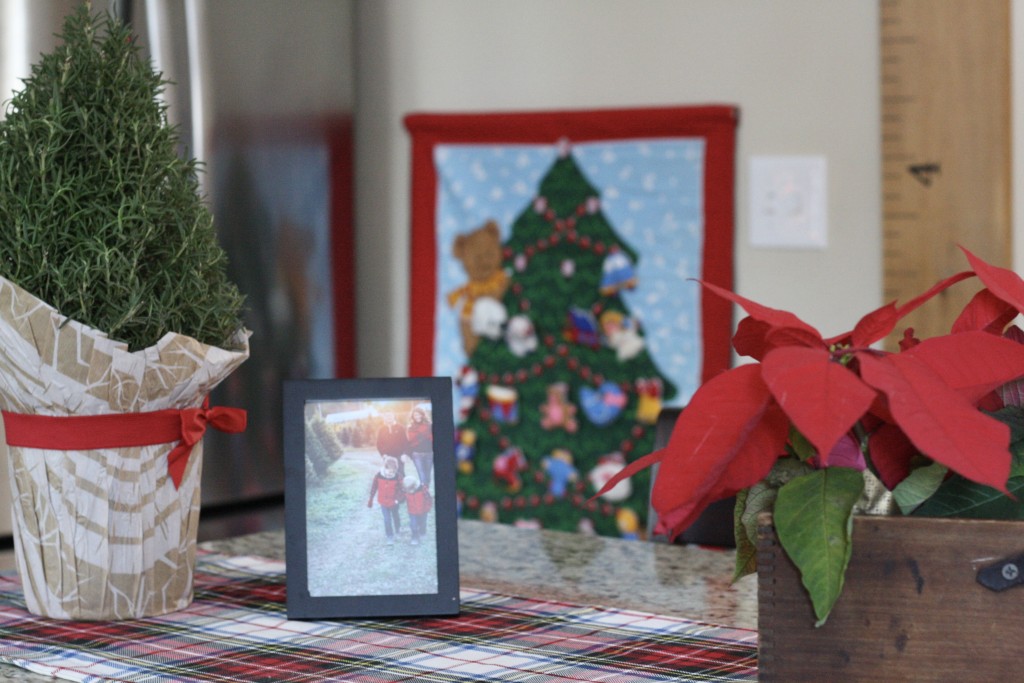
[(559, 391)]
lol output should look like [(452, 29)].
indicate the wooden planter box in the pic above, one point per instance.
[(911, 607)]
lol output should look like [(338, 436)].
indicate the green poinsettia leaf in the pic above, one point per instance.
[(802, 448), (1013, 417), (746, 544), (919, 486), (813, 519), (960, 497), (753, 501), (786, 469), (749, 504)]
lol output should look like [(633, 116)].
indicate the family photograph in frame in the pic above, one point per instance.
[(370, 501)]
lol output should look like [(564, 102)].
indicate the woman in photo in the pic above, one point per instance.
[(421, 444)]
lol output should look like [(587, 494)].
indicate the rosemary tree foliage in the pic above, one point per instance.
[(99, 216)]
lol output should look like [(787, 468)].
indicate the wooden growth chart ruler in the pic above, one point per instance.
[(946, 148)]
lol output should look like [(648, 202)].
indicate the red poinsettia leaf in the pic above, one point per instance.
[(765, 443), (878, 413), (1004, 284), (792, 336), (939, 422), (822, 397), (755, 338), (937, 288), (973, 363), (846, 453), (772, 316), (869, 329), (1011, 393), (875, 325), (712, 430), (629, 470), (880, 322), (871, 422), (891, 452), (675, 521), (879, 409), (992, 402), (908, 341), (985, 311), (749, 339)]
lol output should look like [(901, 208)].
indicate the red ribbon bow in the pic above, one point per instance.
[(122, 430), (193, 426)]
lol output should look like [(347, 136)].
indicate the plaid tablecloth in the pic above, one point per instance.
[(236, 630)]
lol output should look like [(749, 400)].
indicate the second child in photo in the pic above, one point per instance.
[(419, 503)]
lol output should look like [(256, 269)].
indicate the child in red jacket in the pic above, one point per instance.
[(388, 488), (419, 502)]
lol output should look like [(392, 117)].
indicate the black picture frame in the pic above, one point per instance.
[(344, 560)]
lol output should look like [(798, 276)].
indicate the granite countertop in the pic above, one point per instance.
[(683, 581)]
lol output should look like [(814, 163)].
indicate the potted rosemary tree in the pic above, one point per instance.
[(116, 321)]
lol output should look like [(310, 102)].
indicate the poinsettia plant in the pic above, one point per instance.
[(804, 430)]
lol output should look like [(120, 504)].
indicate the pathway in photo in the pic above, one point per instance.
[(347, 549)]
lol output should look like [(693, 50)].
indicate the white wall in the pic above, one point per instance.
[(804, 74)]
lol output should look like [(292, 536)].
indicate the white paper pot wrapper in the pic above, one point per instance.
[(101, 534)]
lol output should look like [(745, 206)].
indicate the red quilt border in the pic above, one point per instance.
[(715, 123)]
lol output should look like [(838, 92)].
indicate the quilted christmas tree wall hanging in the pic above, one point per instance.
[(552, 259)]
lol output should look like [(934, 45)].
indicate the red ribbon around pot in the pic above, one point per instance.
[(123, 430)]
